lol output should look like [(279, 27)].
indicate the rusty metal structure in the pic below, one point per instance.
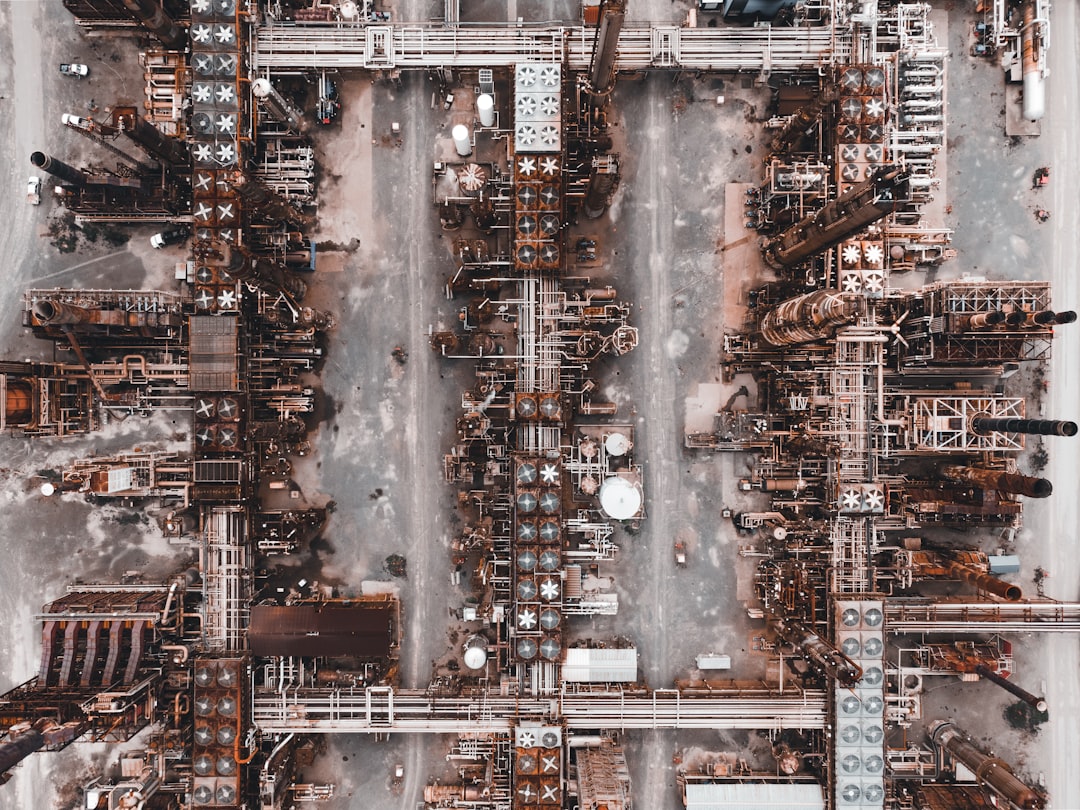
[(860, 436)]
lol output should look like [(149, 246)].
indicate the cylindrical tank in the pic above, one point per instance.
[(475, 655), (57, 168), (153, 18), (462, 140), (988, 770), (1037, 703), (55, 312), (278, 107), (602, 69), (1041, 427), (485, 108), (434, 794), (1034, 95), (985, 582), (999, 480)]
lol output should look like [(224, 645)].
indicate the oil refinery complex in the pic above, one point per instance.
[(883, 449)]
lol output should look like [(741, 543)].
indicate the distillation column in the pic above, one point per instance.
[(999, 480), (153, 18), (823, 655), (57, 168)]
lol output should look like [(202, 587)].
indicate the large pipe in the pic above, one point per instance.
[(57, 168), (1037, 703), (823, 655), (985, 582), (17, 748), (1014, 483), (157, 143), (153, 18), (605, 47), (851, 212), (54, 312), (988, 770), (986, 425)]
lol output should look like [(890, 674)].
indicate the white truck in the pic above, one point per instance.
[(33, 190)]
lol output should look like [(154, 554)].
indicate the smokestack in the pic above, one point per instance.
[(988, 770), (1037, 703), (55, 312), (1069, 316), (57, 168), (985, 582), (157, 143), (985, 425), (1013, 483), (1016, 318), (153, 18), (1044, 317)]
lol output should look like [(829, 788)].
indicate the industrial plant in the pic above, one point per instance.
[(869, 414)]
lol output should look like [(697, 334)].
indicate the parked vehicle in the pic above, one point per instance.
[(169, 236), (1041, 178), (74, 69), (33, 190), (76, 121)]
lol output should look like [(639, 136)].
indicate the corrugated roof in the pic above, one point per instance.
[(754, 796), (356, 629), (600, 666)]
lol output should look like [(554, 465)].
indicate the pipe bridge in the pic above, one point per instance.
[(381, 709), (283, 46), (917, 616)]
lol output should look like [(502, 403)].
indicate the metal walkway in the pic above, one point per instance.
[(380, 709), (281, 46), (904, 616)]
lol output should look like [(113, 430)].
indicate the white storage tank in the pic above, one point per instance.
[(462, 142), (485, 107)]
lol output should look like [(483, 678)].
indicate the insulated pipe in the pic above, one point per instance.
[(1037, 703), (54, 312), (153, 18), (157, 143), (988, 770), (1013, 483), (985, 582), (985, 425), (57, 168)]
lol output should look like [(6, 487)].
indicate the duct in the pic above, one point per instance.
[(153, 18), (1000, 480), (985, 582), (988, 770), (157, 143), (986, 425), (57, 168)]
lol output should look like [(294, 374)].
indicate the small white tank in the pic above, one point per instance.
[(485, 107), (462, 143), (475, 652), (261, 87)]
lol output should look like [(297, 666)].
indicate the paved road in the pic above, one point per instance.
[(1062, 656)]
